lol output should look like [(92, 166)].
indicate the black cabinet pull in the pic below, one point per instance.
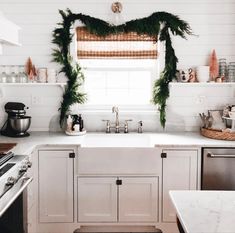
[(118, 182), (72, 155), (163, 155)]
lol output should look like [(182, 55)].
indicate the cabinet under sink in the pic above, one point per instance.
[(118, 199), (118, 184)]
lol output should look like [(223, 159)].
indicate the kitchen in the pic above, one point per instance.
[(180, 142)]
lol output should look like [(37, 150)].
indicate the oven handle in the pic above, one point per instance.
[(25, 182), (210, 155)]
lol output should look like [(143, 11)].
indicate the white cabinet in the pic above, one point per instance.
[(138, 199), (179, 173), (123, 199), (55, 184), (97, 199), (134, 198)]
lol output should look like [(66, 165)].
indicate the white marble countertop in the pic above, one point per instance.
[(184, 139), (205, 211)]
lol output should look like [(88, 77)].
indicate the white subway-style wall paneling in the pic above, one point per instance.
[(212, 22)]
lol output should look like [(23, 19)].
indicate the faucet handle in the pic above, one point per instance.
[(126, 121), (107, 126), (126, 130), (106, 121)]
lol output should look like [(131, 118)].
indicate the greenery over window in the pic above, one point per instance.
[(159, 25)]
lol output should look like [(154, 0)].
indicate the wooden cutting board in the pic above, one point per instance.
[(5, 147)]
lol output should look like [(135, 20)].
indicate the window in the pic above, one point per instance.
[(122, 82), (119, 69)]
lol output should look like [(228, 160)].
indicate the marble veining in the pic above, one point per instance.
[(205, 211)]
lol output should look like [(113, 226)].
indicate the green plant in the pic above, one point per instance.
[(159, 25)]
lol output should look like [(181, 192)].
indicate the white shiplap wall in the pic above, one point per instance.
[(212, 20)]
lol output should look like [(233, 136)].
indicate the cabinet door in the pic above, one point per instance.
[(97, 199), (179, 173), (55, 186), (138, 199)]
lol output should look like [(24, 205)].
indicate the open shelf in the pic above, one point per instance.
[(202, 84), (32, 84)]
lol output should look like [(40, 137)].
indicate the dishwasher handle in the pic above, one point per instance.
[(211, 155)]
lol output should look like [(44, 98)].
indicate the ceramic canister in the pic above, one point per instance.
[(203, 74)]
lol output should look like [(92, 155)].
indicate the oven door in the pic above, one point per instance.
[(12, 208), (13, 193)]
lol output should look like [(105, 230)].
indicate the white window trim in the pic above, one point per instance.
[(147, 108)]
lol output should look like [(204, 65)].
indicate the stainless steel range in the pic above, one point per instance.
[(13, 181)]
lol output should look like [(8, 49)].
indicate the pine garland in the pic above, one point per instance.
[(171, 25)]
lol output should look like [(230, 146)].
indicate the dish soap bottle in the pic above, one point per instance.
[(69, 123)]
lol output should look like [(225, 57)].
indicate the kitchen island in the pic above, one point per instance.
[(205, 211)]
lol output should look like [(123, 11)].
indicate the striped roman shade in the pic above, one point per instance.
[(122, 45)]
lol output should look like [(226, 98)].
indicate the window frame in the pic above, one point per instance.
[(146, 108)]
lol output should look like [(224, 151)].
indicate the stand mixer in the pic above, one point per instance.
[(17, 123)]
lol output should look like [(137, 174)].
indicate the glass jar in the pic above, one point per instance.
[(3, 75), (12, 76), (42, 75), (22, 77), (7, 71), (51, 76), (231, 72), (223, 69)]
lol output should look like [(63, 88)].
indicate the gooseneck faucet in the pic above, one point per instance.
[(117, 124)]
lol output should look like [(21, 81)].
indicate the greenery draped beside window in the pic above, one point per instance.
[(160, 25)]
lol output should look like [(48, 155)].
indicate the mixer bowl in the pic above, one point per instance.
[(20, 125)]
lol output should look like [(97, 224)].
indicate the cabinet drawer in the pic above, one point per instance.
[(136, 161)]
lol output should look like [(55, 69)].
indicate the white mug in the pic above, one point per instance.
[(203, 74)]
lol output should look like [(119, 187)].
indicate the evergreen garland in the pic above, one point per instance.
[(159, 24)]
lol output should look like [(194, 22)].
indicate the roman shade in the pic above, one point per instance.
[(121, 45)]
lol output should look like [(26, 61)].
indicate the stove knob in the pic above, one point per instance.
[(29, 164), (23, 168), (10, 181)]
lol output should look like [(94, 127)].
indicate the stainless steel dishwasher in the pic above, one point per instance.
[(218, 169)]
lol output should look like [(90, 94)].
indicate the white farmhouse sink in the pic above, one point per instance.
[(117, 140)]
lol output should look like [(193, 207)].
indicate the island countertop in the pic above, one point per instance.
[(145, 140), (205, 211)]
